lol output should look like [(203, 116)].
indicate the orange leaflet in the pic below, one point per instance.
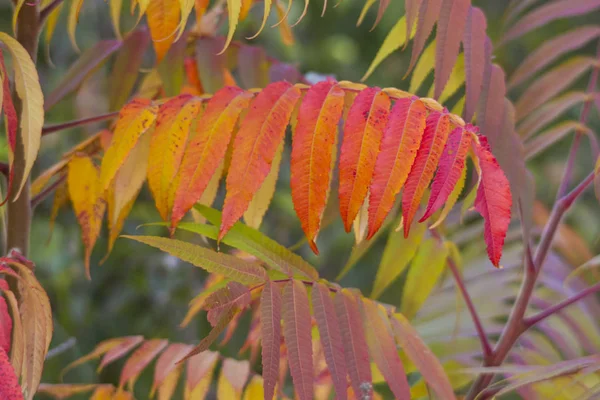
[(298, 339), (207, 148), (362, 136), (270, 325), (428, 155), (399, 145), (11, 121), (255, 146), (134, 119), (493, 201), (163, 19), (331, 338), (167, 145), (312, 148), (140, 359), (88, 201), (354, 342), (450, 169)]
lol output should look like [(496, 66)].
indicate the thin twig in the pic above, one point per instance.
[(61, 348), (485, 343), (70, 124), (534, 319), (37, 199)]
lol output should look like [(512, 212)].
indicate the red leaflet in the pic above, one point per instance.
[(493, 200), (270, 326), (428, 15), (355, 344), (298, 339), (5, 320), (140, 359), (475, 59), (399, 145), (428, 155), (451, 26), (450, 169), (331, 338), (380, 340), (120, 350), (234, 295), (312, 148), (255, 145), (362, 136), (10, 118), (9, 383), (207, 148), (168, 362), (167, 146)]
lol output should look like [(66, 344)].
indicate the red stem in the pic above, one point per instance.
[(71, 124)]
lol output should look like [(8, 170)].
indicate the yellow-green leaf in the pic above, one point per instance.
[(424, 68), (234, 8), (73, 20), (255, 389), (396, 257), (32, 112), (423, 274), (393, 41)]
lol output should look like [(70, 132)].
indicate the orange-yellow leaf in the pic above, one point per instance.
[(88, 201), (434, 138), (125, 188), (297, 334), (170, 135), (234, 375), (134, 120), (207, 148), (312, 150), (399, 145), (363, 131), (140, 359), (103, 393), (255, 146), (163, 19)]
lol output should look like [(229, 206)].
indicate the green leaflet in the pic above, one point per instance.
[(396, 256), (239, 270)]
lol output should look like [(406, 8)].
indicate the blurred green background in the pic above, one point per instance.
[(142, 291)]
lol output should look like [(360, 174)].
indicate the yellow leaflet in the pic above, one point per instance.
[(51, 22), (456, 80), (115, 16), (200, 390), (470, 199), (103, 393), (423, 274), (234, 8), (163, 18), (208, 196), (73, 20), (18, 7), (168, 386), (267, 11), (359, 226), (186, 9), (126, 186), (397, 255), (260, 203), (451, 201), (87, 197), (363, 13), (29, 91), (143, 4), (234, 375), (393, 41), (423, 68), (287, 37), (255, 389)]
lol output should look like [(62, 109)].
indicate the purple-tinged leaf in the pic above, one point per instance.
[(551, 84), (355, 344), (380, 340), (168, 362), (552, 50), (553, 135), (425, 361), (331, 338), (474, 43), (254, 71), (428, 15), (548, 12), (412, 9), (383, 5), (234, 295), (298, 339), (270, 320), (489, 119), (451, 26), (140, 359), (120, 350)]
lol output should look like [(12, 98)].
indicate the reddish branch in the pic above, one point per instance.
[(71, 124)]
